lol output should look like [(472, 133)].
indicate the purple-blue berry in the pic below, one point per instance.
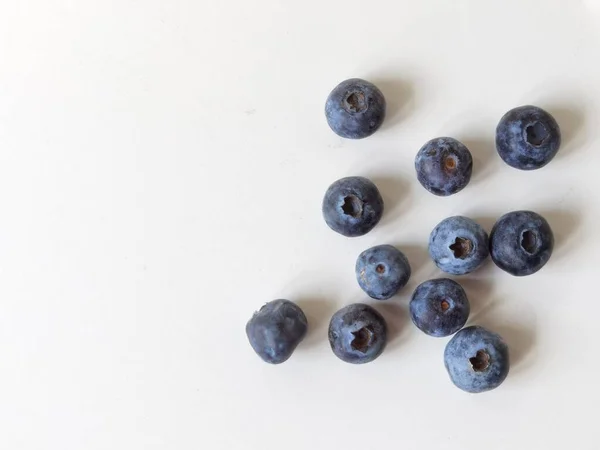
[(357, 333), (476, 359), (527, 137), (355, 109), (352, 206), (444, 166), (439, 307), (458, 245), (276, 330), (521, 242), (381, 271)]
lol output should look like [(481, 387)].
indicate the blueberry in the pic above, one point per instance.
[(352, 206), (439, 307), (521, 242), (276, 330), (527, 138), (444, 166), (357, 333), (476, 359), (381, 271), (355, 109), (458, 245)]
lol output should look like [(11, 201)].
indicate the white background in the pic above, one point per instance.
[(162, 165)]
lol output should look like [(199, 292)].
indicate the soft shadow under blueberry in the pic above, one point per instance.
[(395, 192), (485, 157), (565, 226), (318, 312), (397, 320), (399, 98), (417, 256), (572, 124), (487, 222), (519, 336), (479, 293)]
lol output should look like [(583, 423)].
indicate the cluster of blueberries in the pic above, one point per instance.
[(520, 243)]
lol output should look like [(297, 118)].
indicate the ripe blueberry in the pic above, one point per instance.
[(381, 271), (476, 359), (527, 137), (458, 245), (357, 333), (439, 307), (521, 242), (352, 206), (444, 166), (276, 329), (355, 109)]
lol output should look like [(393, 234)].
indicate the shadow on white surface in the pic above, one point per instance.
[(318, 312), (417, 256), (487, 222), (565, 225), (518, 335), (422, 268), (518, 332), (395, 192), (483, 151), (479, 293), (572, 128), (399, 98), (398, 322)]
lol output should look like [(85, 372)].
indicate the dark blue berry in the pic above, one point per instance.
[(527, 138), (381, 271), (352, 206), (476, 359), (521, 242), (444, 166), (355, 109), (458, 245), (276, 329), (357, 333), (439, 307)]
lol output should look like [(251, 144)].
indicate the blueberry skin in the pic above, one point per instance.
[(458, 245), (444, 166), (352, 206), (476, 359), (381, 271), (527, 137), (357, 333), (521, 242), (439, 307), (276, 330), (355, 109)]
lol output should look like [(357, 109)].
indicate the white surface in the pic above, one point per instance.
[(162, 166)]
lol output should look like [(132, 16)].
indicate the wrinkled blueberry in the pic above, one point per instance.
[(381, 271), (458, 245), (439, 307), (444, 166), (357, 333), (355, 109), (352, 206), (276, 329), (476, 359), (521, 242), (527, 138)]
